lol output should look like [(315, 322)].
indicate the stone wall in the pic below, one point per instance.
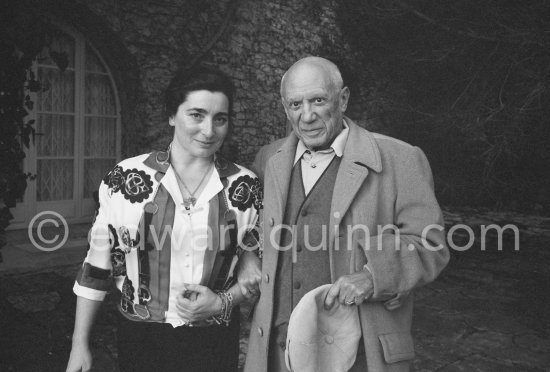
[(262, 40)]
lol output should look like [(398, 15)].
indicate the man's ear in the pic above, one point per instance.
[(344, 98), (171, 121)]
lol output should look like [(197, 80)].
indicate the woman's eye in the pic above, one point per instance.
[(196, 115), (221, 121)]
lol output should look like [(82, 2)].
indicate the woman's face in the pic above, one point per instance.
[(201, 123)]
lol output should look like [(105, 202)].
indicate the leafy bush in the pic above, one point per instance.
[(23, 35), (470, 86)]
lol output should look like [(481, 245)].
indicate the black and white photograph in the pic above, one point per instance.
[(274, 186)]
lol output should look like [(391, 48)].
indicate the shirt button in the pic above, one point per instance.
[(260, 331), (271, 222), (304, 212), (297, 285), (329, 339), (158, 176), (266, 278)]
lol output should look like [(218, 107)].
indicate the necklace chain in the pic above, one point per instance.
[(191, 200)]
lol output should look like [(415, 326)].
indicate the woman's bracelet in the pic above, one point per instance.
[(224, 317)]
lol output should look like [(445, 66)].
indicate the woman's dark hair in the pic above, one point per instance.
[(198, 78)]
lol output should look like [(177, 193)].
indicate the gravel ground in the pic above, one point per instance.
[(489, 310)]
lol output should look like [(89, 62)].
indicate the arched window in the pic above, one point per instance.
[(77, 117)]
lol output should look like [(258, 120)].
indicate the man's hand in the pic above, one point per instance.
[(350, 289), (197, 302), (250, 274)]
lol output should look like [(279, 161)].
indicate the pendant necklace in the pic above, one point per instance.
[(191, 200)]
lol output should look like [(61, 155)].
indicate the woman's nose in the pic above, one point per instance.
[(208, 127)]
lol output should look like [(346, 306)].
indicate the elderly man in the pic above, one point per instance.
[(348, 207)]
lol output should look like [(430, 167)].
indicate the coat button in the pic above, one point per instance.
[(260, 331), (297, 285), (299, 248), (266, 278), (392, 304), (304, 212)]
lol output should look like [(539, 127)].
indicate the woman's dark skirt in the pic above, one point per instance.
[(159, 347)]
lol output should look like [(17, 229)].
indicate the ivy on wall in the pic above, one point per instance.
[(23, 35)]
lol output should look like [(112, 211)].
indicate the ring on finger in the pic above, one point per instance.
[(350, 302)]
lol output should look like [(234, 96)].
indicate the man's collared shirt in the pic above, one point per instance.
[(314, 163)]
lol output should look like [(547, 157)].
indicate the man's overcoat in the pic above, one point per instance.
[(383, 214)]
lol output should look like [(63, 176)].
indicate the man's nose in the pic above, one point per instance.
[(308, 115)]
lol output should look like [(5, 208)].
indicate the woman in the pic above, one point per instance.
[(167, 228)]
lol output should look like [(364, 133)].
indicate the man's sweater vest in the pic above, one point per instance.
[(304, 264)]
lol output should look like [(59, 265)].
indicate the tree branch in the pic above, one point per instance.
[(468, 33)]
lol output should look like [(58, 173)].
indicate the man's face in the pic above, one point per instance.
[(314, 106)]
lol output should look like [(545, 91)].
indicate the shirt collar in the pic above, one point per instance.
[(338, 145), (213, 186)]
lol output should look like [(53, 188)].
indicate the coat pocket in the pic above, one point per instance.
[(397, 347)]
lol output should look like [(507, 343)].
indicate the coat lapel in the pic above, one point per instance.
[(278, 173), (360, 154), (280, 170)]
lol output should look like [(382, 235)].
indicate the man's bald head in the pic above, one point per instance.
[(315, 99), (308, 64)]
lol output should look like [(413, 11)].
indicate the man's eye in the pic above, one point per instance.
[(294, 104), (319, 100)]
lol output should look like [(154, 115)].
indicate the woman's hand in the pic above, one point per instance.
[(197, 302), (250, 274), (80, 359)]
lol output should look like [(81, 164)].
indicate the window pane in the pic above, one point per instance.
[(61, 43), (94, 171), (100, 99), (93, 63), (56, 135), (100, 137), (59, 94), (54, 179)]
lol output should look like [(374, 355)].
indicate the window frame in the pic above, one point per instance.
[(83, 205)]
